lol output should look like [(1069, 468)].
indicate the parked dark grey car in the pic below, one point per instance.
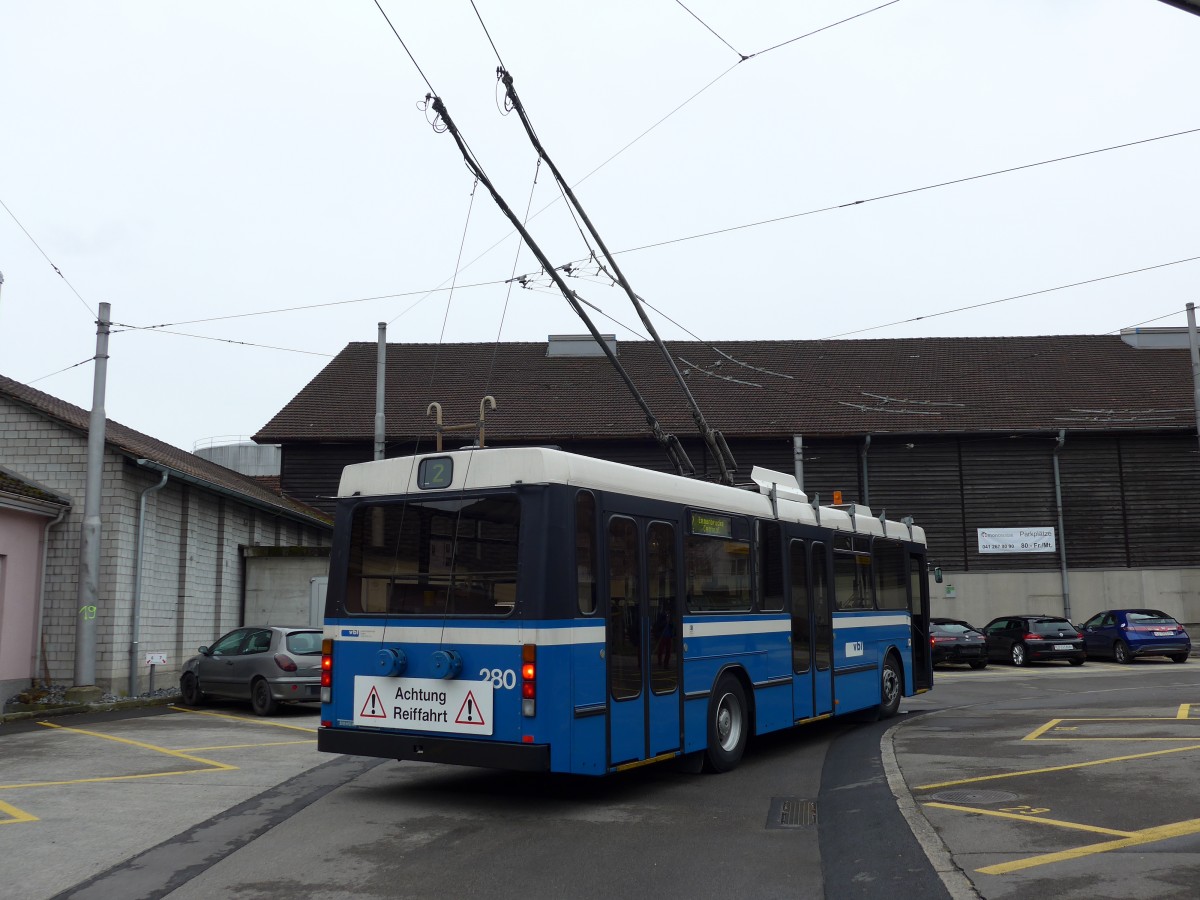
[(266, 665), (1033, 638)]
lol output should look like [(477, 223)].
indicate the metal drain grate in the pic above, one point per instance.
[(792, 812), (974, 797)]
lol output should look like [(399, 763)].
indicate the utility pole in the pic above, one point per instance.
[(380, 392), (1195, 348), (87, 606)]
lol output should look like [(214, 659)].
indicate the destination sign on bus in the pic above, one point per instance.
[(715, 526)]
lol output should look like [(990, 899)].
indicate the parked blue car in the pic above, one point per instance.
[(1125, 634)]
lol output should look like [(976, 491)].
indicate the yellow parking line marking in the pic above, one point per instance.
[(120, 740), (1185, 710), (1027, 818), (257, 720), (248, 746), (1137, 838), (15, 815), (1082, 765), (1036, 733), (210, 765)]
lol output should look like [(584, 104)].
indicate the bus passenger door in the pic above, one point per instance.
[(918, 598), (643, 640), (812, 632)]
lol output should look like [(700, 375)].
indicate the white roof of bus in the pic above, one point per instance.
[(506, 466)]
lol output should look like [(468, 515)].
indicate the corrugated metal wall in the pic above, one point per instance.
[(1129, 500)]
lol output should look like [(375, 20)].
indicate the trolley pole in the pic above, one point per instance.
[(89, 537), (1191, 316)]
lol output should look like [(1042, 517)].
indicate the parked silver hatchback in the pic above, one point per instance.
[(266, 665)]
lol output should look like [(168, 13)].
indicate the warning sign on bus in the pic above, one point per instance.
[(373, 707), (423, 704)]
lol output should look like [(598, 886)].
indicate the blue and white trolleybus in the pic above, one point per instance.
[(532, 609)]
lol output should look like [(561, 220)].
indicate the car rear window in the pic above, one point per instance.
[(1050, 626), (951, 628), (1149, 617), (304, 643)]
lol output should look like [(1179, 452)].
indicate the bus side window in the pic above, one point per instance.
[(770, 568), (585, 552)]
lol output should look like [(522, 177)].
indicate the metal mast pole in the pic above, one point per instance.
[(89, 533), (380, 384), (1191, 316)]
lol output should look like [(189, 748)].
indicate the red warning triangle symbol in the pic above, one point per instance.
[(373, 708), (469, 713)]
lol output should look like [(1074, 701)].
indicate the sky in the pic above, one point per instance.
[(202, 165)]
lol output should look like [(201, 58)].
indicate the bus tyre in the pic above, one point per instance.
[(891, 688), (728, 725), (189, 687), (261, 698)]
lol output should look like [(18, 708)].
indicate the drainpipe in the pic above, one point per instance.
[(136, 626), (866, 448), (41, 601), (1062, 540)]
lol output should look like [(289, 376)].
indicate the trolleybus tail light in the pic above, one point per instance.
[(327, 670), (528, 679)]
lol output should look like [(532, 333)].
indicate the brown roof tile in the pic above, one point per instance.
[(911, 385), (140, 446)]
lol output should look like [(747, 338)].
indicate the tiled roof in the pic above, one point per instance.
[(140, 446), (14, 485), (814, 388)]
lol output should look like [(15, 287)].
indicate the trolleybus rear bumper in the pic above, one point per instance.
[(456, 751)]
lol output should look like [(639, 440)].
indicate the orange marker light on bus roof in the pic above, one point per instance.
[(837, 498)]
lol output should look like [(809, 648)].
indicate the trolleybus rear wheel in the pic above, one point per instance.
[(728, 725)]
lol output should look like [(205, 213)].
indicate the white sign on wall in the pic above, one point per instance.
[(1016, 540)]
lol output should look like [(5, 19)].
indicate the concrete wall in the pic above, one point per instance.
[(279, 589), (981, 597)]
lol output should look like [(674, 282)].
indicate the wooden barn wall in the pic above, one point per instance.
[(1161, 477), (310, 472), (1093, 502), (1007, 483), (919, 477), (1128, 500)]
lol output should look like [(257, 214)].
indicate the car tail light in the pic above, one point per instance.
[(327, 670), (940, 638), (528, 679), (285, 662), (1030, 636)]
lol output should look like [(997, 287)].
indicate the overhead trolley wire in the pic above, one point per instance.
[(893, 194), (743, 56), (1061, 287), (56, 269), (822, 28)]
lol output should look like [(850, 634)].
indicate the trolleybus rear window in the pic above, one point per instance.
[(451, 556)]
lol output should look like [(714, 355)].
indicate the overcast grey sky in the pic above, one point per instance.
[(207, 159)]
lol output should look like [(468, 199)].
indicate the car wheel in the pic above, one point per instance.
[(1179, 657), (261, 699), (728, 725), (981, 664), (1018, 655), (891, 688), (1121, 652), (1076, 660), (189, 687)]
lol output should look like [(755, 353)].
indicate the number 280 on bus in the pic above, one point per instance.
[(530, 609)]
